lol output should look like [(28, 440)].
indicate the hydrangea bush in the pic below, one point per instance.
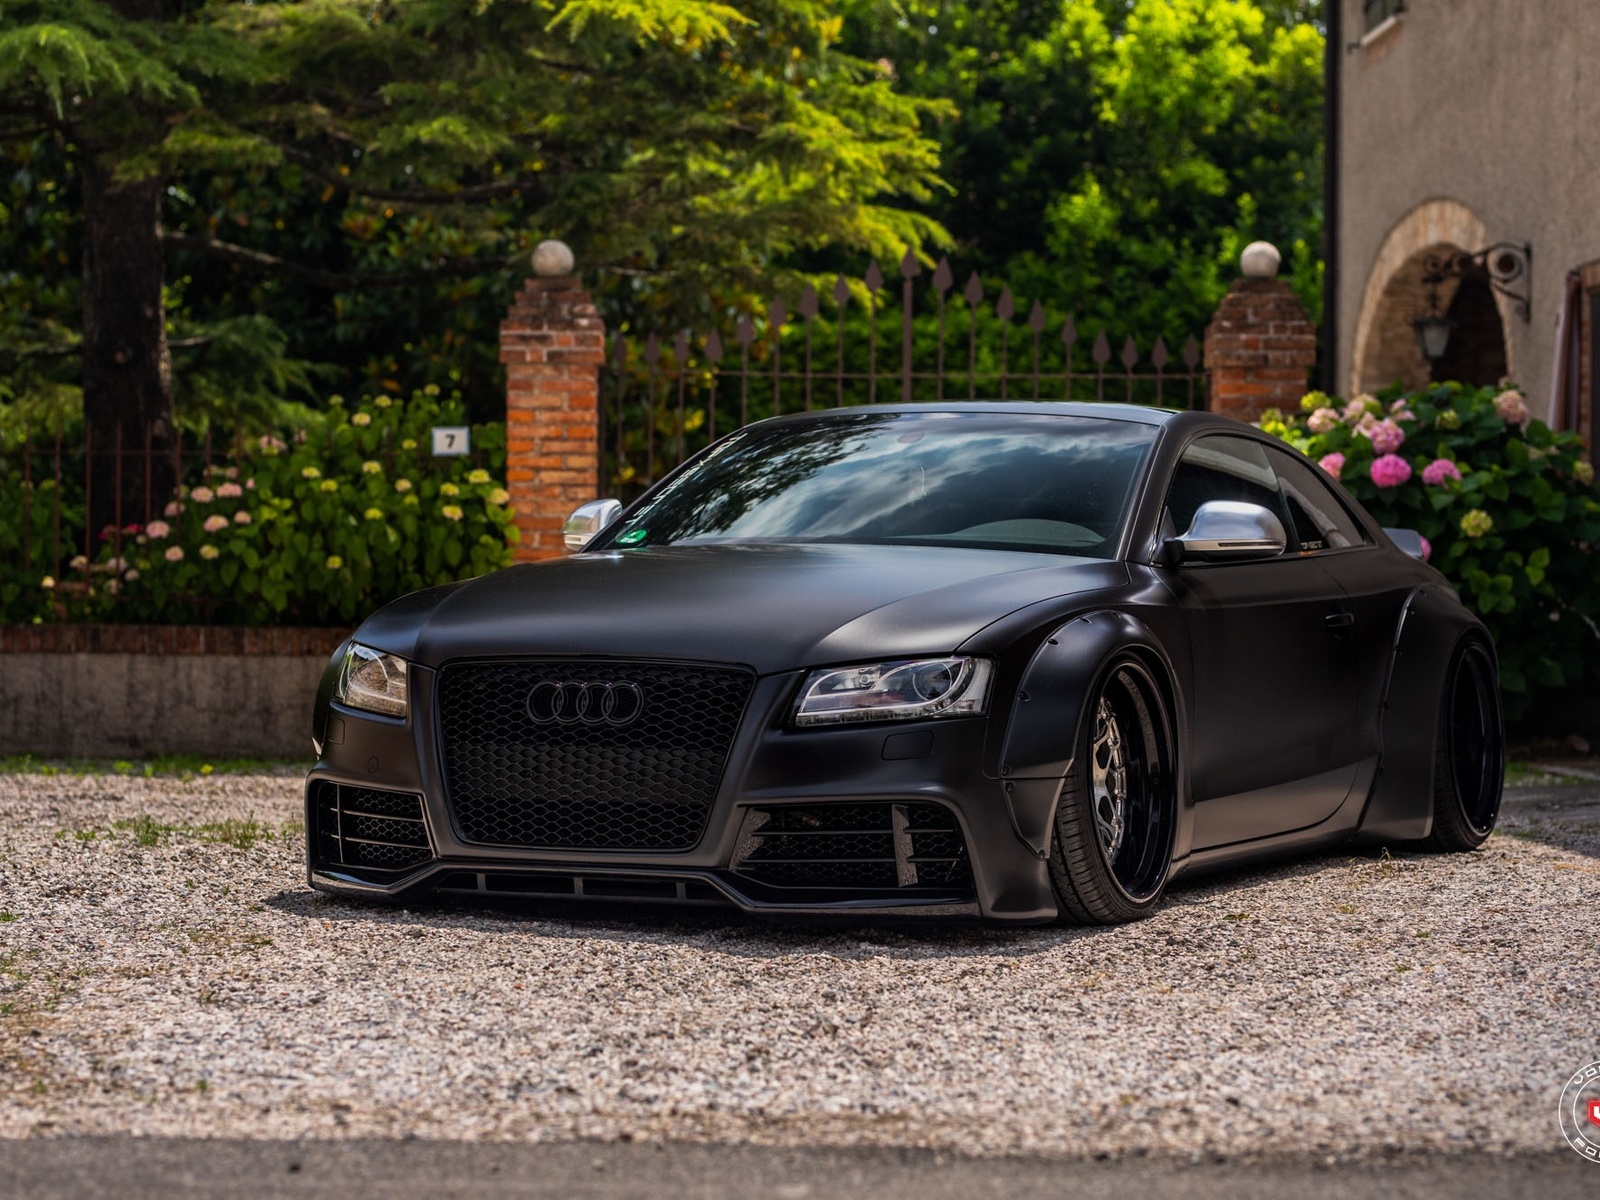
[(318, 527), (1507, 509)]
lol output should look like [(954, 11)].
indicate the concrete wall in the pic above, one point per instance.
[(1490, 107), (109, 692)]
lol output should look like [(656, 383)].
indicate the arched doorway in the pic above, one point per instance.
[(1399, 290)]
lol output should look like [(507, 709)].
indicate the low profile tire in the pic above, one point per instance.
[(1470, 752), (1112, 845)]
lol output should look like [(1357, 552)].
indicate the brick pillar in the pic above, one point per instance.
[(553, 344), (1260, 346)]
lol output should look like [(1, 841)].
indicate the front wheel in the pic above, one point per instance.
[(1112, 846), (1469, 752)]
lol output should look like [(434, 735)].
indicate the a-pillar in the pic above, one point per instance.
[(552, 343), (1261, 345)]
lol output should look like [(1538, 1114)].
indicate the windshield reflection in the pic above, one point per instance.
[(1017, 481)]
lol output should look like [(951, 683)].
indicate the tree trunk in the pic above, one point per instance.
[(127, 370)]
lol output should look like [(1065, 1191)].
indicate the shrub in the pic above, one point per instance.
[(316, 527), (1508, 508)]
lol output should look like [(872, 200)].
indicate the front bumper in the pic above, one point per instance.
[(769, 767)]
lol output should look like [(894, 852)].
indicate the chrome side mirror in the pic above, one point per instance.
[(588, 520), (1223, 530)]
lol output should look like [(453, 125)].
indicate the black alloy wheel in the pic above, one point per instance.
[(1470, 755), (1114, 825)]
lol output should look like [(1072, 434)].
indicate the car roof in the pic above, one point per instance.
[(1106, 411)]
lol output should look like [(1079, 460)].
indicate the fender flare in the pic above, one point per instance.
[(1047, 721), (1432, 627)]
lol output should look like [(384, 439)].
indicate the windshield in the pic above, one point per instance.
[(1059, 484)]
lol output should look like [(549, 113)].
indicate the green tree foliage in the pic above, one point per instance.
[(1113, 157), (356, 181)]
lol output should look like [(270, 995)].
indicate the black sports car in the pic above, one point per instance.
[(1017, 661)]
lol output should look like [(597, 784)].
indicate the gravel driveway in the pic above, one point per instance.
[(164, 970)]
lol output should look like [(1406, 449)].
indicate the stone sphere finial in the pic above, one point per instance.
[(1260, 260), (552, 259)]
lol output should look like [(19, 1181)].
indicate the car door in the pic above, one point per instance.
[(1326, 531), (1274, 684)]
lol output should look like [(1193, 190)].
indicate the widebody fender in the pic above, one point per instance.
[(1432, 625), (1046, 724)]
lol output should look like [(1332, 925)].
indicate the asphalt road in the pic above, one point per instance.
[(175, 1169)]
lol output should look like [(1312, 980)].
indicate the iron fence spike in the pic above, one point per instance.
[(1158, 353), (619, 351), (1036, 318), (714, 346), (1191, 353), (680, 348), (1069, 332), (1102, 349), (777, 314), (745, 331), (652, 350), (874, 277), (1130, 353), (973, 292), (910, 268), (943, 277), (841, 291), (1005, 308), (808, 303)]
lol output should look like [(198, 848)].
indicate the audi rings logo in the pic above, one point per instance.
[(574, 703)]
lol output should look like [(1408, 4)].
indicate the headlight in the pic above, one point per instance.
[(372, 680), (896, 691)]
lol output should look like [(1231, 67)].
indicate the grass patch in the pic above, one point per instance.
[(182, 766), (6, 917), (239, 832), (1522, 774)]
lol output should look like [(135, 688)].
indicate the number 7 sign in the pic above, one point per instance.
[(450, 441)]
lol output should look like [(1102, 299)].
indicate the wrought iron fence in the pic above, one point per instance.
[(661, 403)]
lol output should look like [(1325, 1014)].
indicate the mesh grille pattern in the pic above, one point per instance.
[(647, 784), (879, 846), (364, 827)]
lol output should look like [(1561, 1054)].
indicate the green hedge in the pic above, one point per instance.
[(318, 526), (1508, 508)]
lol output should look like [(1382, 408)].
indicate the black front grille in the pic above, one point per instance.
[(369, 828), (874, 846), (517, 776)]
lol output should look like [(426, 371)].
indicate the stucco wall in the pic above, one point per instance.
[(111, 693), (1495, 107)]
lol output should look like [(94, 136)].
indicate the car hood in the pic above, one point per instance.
[(773, 607)]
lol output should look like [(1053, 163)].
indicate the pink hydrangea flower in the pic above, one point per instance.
[(202, 495), (172, 509), (241, 517), (1356, 409), (158, 529), (1390, 470), (215, 522), (1322, 420), (1333, 463), (230, 491), (1387, 437), (1439, 470), (174, 554), (1511, 408), (1427, 548)]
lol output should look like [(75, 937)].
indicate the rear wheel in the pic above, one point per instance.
[(1470, 752), (1112, 847)]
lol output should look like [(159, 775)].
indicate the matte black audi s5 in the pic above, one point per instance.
[(1017, 661)]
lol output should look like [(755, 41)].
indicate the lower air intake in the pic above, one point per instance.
[(877, 846), (368, 828)]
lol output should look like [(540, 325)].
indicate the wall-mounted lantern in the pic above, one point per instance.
[(1504, 264)]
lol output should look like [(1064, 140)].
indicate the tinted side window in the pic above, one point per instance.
[(1318, 519), (1223, 468)]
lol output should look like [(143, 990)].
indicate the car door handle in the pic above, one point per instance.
[(1339, 620)]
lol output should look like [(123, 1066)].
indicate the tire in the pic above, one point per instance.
[(1112, 846), (1469, 752)]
